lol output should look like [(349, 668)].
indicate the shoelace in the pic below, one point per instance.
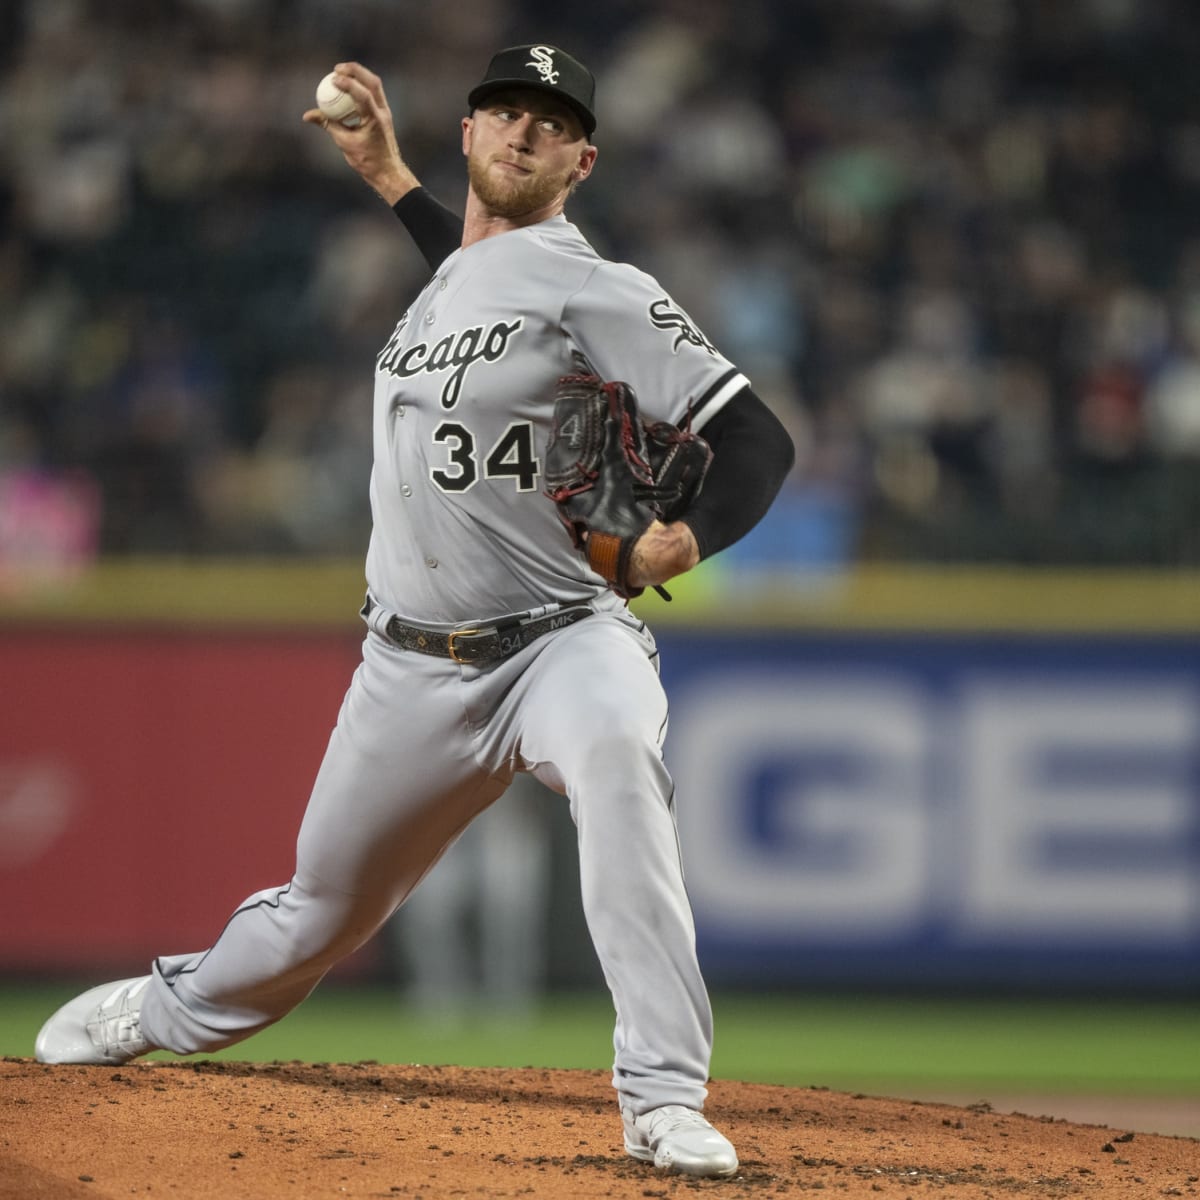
[(118, 1029), (672, 1118)]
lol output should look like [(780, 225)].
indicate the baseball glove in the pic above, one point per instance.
[(611, 475)]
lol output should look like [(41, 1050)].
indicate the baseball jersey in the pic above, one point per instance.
[(464, 392)]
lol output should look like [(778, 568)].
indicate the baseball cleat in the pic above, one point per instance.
[(101, 1027), (676, 1138)]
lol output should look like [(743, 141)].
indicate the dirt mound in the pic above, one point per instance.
[(218, 1129)]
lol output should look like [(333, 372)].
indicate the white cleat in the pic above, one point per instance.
[(676, 1138), (101, 1027)]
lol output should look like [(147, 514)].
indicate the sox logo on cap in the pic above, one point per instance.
[(543, 63)]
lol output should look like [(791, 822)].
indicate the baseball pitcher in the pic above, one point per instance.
[(552, 434)]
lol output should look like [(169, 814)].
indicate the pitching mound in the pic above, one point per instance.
[(214, 1129)]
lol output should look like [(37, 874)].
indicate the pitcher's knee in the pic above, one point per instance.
[(319, 926), (622, 762)]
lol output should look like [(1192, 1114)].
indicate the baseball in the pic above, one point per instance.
[(336, 104)]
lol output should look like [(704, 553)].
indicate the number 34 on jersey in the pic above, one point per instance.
[(512, 457)]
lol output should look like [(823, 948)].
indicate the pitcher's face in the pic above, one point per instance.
[(525, 151)]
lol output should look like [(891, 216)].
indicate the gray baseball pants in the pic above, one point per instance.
[(421, 746)]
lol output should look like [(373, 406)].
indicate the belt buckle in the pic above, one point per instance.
[(450, 648)]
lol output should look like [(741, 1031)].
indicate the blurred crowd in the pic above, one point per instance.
[(954, 244)]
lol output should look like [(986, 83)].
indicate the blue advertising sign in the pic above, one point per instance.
[(910, 810)]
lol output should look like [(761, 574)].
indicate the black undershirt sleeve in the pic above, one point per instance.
[(752, 455), (436, 230)]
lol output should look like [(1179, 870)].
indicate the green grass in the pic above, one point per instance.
[(1048, 1045), (869, 1044)]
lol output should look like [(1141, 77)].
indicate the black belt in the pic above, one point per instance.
[(488, 643)]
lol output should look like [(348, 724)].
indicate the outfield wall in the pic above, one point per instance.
[(149, 781), (925, 809), (954, 777)]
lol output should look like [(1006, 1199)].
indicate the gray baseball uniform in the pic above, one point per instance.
[(464, 538)]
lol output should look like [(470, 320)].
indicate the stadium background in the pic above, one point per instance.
[(953, 682)]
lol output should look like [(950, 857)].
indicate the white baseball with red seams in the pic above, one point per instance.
[(336, 104)]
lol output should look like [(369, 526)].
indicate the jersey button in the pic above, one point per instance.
[(405, 490), (431, 561), (441, 285), (429, 318)]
